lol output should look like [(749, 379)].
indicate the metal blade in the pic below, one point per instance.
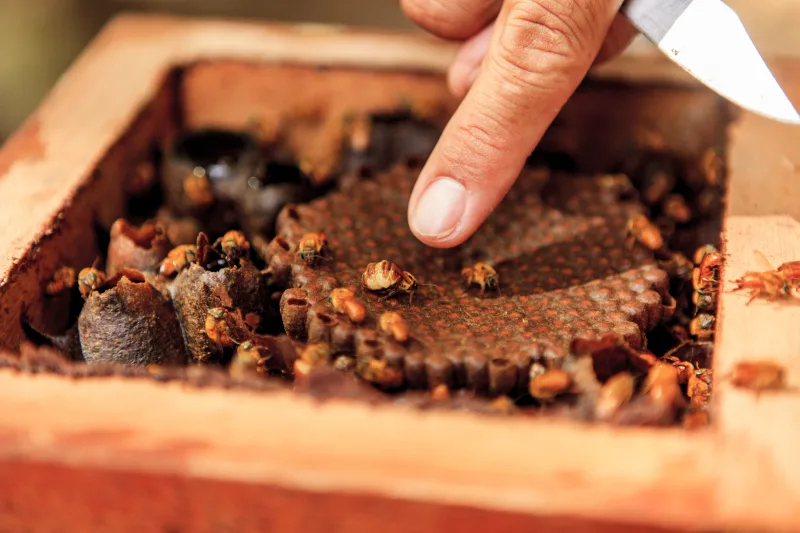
[(707, 39)]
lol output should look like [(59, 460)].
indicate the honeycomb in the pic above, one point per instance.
[(558, 243)]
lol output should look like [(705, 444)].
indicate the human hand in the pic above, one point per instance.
[(515, 75)]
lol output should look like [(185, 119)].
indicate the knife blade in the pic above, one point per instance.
[(708, 40)]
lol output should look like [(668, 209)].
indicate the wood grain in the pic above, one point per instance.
[(135, 502), (762, 215), (526, 466)]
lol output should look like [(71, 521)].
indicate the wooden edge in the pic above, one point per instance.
[(528, 466), (133, 502), (761, 215), (772, 24)]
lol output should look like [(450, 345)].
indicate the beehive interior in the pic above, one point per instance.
[(558, 242)]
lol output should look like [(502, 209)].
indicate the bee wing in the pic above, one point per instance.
[(762, 262)]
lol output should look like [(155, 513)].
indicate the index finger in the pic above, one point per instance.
[(539, 53)]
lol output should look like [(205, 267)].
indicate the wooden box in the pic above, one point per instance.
[(128, 455)]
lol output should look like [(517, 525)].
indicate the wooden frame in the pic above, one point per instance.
[(117, 455)]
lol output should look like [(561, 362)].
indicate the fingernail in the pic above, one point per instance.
[(440, 208)]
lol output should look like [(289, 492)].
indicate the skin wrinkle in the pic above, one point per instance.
[(451, 19), (542, 21), (464, 165), (531, 75), (504, 103), (483, 142), (534, 60)]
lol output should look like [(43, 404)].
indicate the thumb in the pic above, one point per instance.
[(539, 53)]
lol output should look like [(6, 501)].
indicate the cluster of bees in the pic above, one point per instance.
[(677, 192), (89, 279), (705, 289), (233, 246), (671, 380), (388, 278), (771, 283), (227, 328), (374, 370), (704, 273)]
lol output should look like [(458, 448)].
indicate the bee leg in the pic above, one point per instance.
[(388, 295), (753, 296)]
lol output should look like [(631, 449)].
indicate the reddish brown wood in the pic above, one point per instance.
[(61, 498)]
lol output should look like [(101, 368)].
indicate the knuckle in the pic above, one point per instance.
[(543, 44), (433, 16), (551, 26), (419, 11)]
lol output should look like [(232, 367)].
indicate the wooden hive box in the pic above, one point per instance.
[(128, 455)]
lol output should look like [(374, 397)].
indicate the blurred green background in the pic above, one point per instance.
[(40, 38)]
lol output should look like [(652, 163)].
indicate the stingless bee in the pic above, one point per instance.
[(772, 283), (345, 302), (791, 270), (358, 131), (217, 328), (549, 384), (395, 325), (482, 275), (312, 248), (616, 183), (248, 361), (657, 183), (63, 279), (676, 208), (702, 326), (344, 363), (311, 357), (90, 279), (677, 266), (698, 387), (759, 375), (641, 230), (440, 393), (178, 259), (197, 188), (684, 369), (704, 301), (661, 386), (705, 277), (615, 393), (388, 278), (701, 252), (712, 167), (234, 245)]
